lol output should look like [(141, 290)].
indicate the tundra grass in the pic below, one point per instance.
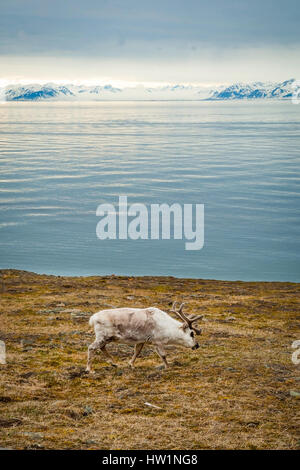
[(239, 390)]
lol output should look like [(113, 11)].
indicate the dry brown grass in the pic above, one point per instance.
[(232, 393)]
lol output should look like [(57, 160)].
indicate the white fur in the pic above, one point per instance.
[(138, 326)]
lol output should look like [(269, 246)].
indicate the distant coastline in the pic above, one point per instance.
[(70, 92), (4, 272)]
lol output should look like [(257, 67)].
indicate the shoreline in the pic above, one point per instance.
[(4, 271)]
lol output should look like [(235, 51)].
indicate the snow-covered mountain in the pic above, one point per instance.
[(34, 92), (53, 91), (256, 90)]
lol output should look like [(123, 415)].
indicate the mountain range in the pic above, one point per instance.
[(236, 91)]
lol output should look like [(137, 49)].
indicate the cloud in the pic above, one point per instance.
[(186, 32), (112, 28)]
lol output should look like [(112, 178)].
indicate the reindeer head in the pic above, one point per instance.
[(189, 330)]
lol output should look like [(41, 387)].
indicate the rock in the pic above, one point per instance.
[(88, 410), (7, 423), (79, 315), (36, 446), (26, 342), (34, 435), (295, 394), (230, 318)]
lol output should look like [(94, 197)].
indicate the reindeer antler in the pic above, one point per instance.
[(179, 312), (188, 320)]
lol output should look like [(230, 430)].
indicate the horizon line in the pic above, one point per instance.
[(125, 83)]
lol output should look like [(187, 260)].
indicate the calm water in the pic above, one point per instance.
[(242, 160)]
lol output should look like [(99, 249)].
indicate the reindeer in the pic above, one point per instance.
[(138, 326)]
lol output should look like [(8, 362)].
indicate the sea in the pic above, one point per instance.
[(240, 159)]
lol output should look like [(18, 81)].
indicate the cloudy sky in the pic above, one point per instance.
[(191, 41)]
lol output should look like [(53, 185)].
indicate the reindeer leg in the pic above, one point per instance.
[(137, 350), (108, 356), (162, 354), (91, 353)]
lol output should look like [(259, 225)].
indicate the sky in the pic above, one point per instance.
[(128, 41)]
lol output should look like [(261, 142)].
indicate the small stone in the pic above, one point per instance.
[(88, 410), (26, 342), (295, 394), (78, 315), (36, 446)]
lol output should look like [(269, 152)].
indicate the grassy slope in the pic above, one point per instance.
[(233, 392)]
